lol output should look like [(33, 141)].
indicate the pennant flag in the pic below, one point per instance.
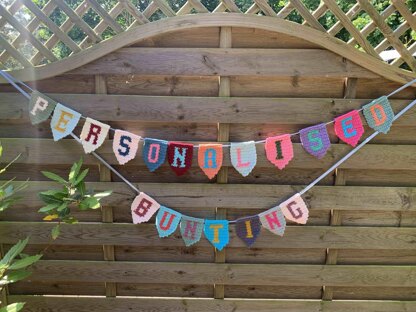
[(279, 150), (349, 127), (180, 157), (125, 146), (154, 153), (248, 229), (64, 121), (93, 134), (210, 158), (216, 231), (243, 157), (143, 208), (315, 140), (191, 229), (295, 209), (40, 107), (273, 220), (167, 221), (379, 114)]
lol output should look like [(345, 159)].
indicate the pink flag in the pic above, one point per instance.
[(349, 127), (295, 209), (279, 150)]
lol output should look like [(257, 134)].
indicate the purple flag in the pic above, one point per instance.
[(248, 229), (315, 140)]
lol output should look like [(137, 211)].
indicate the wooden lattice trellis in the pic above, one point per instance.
[(24, 48)]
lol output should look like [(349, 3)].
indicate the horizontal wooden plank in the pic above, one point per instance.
[(84, 304), (146, 235), (140, 108), (372, 156), (225, 62), (227, 274), (204, 195)]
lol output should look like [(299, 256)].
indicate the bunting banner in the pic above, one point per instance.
[(143, 208), (273, 220), (191, 229), (40, 107), (216, 231), (248, 229), (167, 221), (315, 140), (180, 157), (93, 134), (295, 209), (210, 159), (243, 157), (379, 114), (349, 127), (154, 153), (279, 150), (125, 145), (63, 122)]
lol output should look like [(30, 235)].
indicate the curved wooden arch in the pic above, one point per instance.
[(214, 20)]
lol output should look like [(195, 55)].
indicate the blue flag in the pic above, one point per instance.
[(64, 121), (167, 221), (154, 153), (216, 231)]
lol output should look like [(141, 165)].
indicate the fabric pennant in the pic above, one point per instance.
[(154, 153), (167, 221), (273, 220), (143, 208), (216, 231), (93, 134), (40, 107), (180, 157), (243, 157), (210, 159), (349, 127), (379, 114), (279, 150), (125, 145), (64, 120), (248, 229), (191, 229), (315, 140), (295, 209)]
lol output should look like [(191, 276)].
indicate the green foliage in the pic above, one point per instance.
[(72, 194)]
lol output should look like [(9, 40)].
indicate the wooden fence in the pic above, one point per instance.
[(234, 78)]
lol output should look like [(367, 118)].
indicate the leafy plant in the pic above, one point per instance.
[(73, 194)]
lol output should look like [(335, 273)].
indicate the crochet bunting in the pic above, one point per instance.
[(279, 150), (154, 153), (315, 140), (273, 220), (40, 107), (125, 146), (180, 157), (191, 229), (64, 121), (295, 209), (167, 221), (243, 157), (210, 159), (143, 208), (216, 231), (349, 127), (379, 114), (93, 134), (248, 229)]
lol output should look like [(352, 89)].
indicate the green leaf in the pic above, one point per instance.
[(55, 193), (1, 149), (70, 220), (25, 262), (14, 307), (76, 167), (14, 277), (89, 203), (50, 199), (54, 177), (62, 207), (56, 231), (81, 188), (81, 177), (14, 251), (102, 194), (49, 207)]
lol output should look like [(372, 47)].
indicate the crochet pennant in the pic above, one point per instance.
[(273, 220), (379, 114), (210, 159), (167, 221), (180, 157), (315, 140), (248, 229), (125, 145), (93, 134), (243, 157), (154, 153), (40, 107), (64, 120), (349, 127), (216, 231), (143, 208), (191, 229), (295, 209), (279, 150)]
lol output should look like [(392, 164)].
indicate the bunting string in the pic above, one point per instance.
[(278, 150)]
